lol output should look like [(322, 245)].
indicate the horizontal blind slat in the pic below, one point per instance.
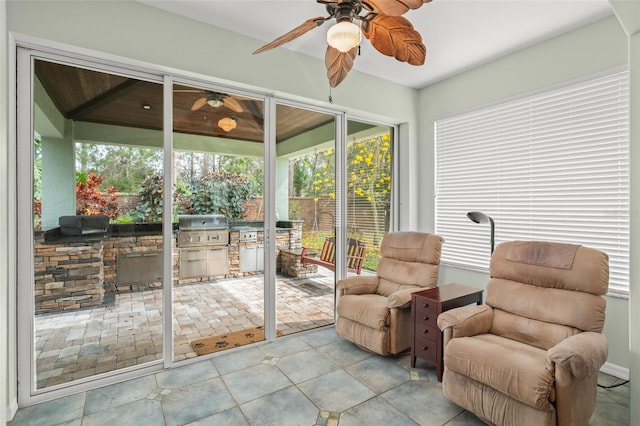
[(553, 166)]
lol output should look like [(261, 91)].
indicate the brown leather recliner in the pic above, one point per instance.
[(531, 354), (374, 312)]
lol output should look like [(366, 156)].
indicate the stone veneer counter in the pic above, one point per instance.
[(73, 272)]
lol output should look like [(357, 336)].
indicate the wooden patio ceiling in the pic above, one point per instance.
[(98, 97)]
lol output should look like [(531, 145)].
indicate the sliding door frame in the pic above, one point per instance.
[(26, 55), (28, 49)]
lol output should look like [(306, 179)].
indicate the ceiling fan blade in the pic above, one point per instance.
[(199, 103), (395, 36), (395, 7), (338, 64), (306, 26), (232, 104)]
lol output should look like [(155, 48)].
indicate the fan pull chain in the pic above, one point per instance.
[(330, 97)]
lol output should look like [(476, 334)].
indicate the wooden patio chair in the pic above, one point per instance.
[(327, 258)]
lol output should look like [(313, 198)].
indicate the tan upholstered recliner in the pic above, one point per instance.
[(531, 354), (374, 312)]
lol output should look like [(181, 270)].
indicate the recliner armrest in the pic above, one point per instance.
[(358, 285), (466, 321), (402, 298), (582, 354)]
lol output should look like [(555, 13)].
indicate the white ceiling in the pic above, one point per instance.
[(459, 34)]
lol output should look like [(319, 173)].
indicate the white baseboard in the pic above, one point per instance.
[(12, 409), (615, 370)]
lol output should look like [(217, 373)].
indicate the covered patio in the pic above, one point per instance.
[(126, 330)]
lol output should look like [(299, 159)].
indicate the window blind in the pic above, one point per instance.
[(552, 166)]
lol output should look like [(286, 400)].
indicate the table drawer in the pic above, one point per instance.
[(426, 348), (426, 331), (426, 308), (427, 318)]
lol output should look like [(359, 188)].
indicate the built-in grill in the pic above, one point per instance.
[(247, 234), (203, 241), (250, 253), (202, 230)]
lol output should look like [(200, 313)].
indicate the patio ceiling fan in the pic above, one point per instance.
[(381, 23), (213, 99)]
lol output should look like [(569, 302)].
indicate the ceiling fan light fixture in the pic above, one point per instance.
[(215, 102), (344, 36), (227, 124)]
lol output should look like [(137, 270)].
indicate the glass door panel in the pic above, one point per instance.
[(218, 213), (305, 203), (369, 181), (97, 238)]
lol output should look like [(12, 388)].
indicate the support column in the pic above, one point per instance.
[(634, 284), (58, 180), (628, 13), (282, 188)]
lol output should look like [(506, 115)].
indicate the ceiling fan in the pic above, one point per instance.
[(380, 22), (213, 99)]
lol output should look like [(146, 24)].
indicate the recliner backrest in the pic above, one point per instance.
[(408, 259), (543, 292)]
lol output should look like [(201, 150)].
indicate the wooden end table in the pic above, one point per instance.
[(426, 305)]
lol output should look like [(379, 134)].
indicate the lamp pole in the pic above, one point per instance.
[(479, 217)]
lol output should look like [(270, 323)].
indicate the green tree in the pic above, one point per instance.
[(314, 175), (197, 165), (369, 173), (301, 175), (368, 177), (369, 169), (123, 167)]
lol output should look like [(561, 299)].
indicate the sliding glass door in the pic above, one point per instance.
[(170, 219), (368, 201), (95, 297), (218, 278), (305, 205)]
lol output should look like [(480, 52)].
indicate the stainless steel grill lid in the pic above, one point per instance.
[(202, 221)]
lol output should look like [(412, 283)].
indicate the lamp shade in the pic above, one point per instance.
[(215, 102), (227, 124), (344, 36), (478, 217)]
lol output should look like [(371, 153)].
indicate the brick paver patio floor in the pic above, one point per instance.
[(127, 330)]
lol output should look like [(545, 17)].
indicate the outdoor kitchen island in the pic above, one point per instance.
[(77, 271)]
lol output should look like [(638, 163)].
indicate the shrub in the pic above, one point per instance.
[(217, 193), (220, 193), (90, 201), (149, 207)]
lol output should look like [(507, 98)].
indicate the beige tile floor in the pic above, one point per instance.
[(127, 330)]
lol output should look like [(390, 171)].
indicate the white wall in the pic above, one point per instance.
[(629, 15), (7, 390), (591, 49)]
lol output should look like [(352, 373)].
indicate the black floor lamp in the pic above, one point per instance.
[(479, 217)]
